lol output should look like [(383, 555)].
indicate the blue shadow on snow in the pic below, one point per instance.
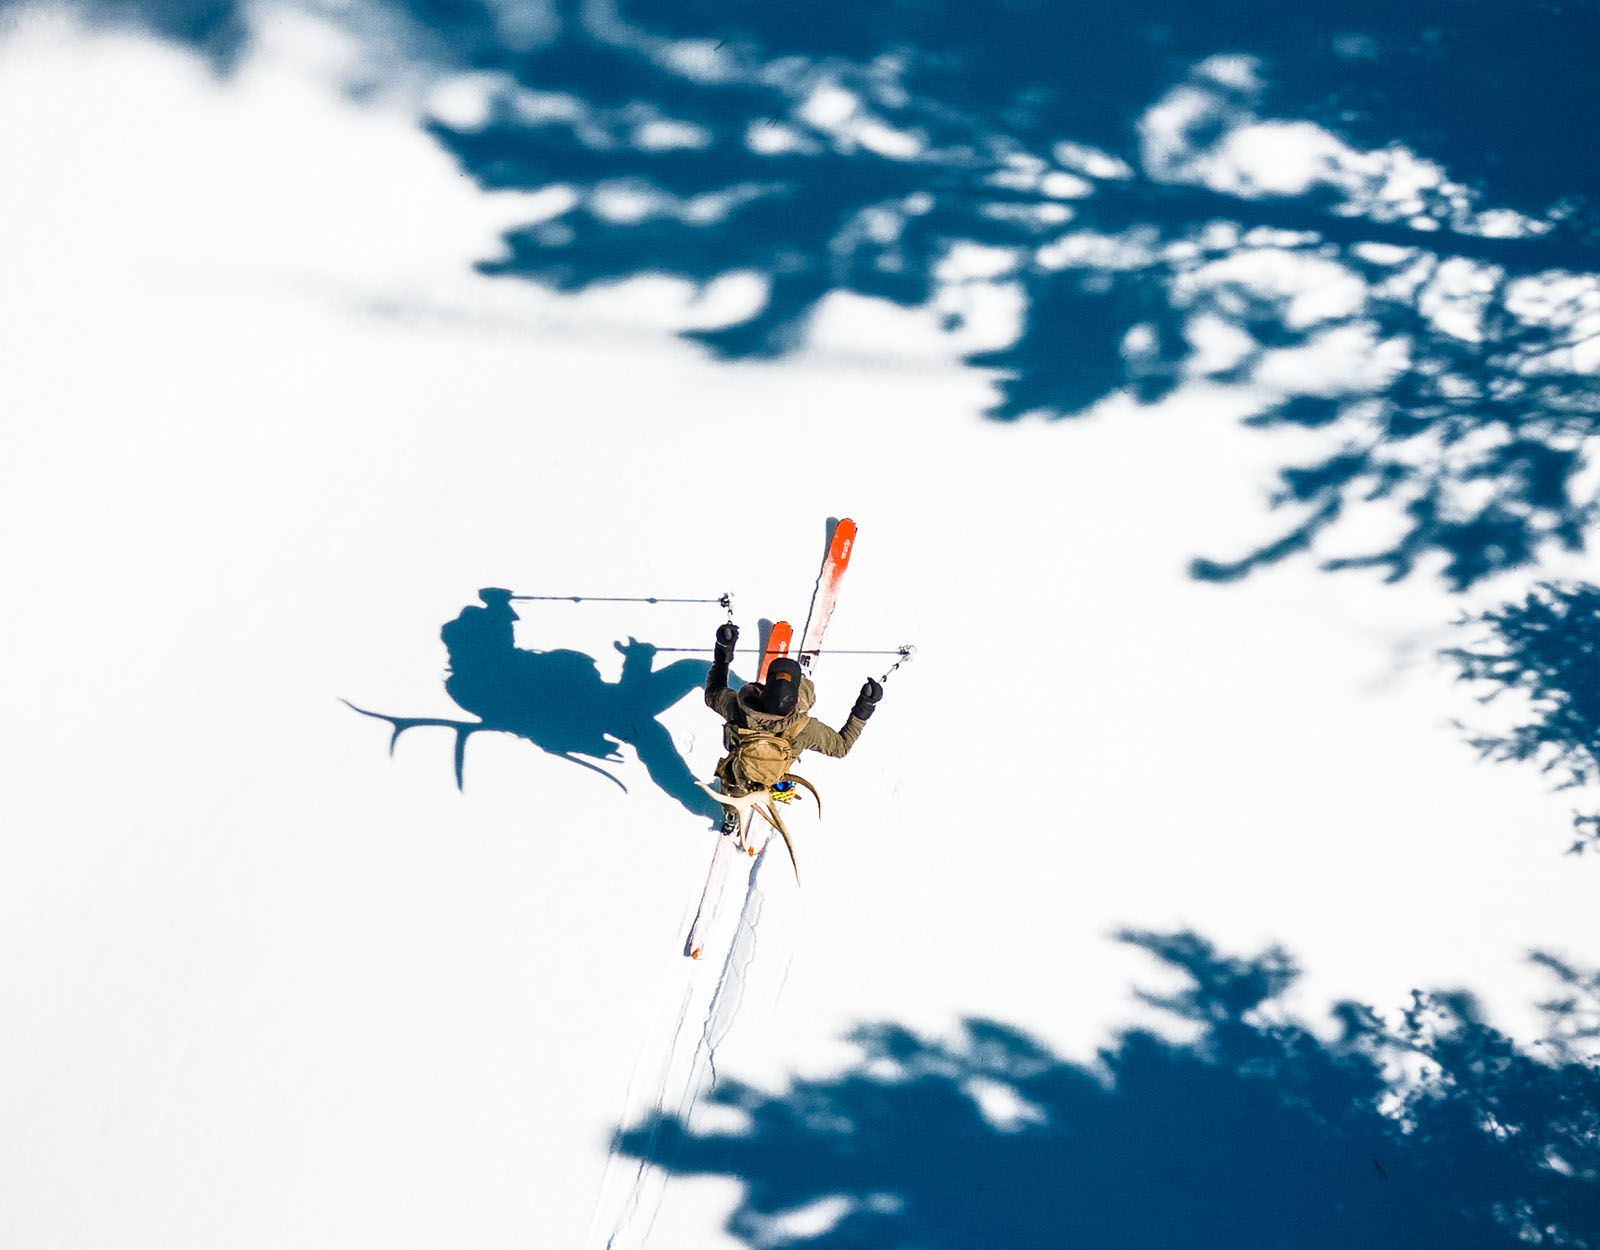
[(1253, 1133), (1432, 203), (558, 701)]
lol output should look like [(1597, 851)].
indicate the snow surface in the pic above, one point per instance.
[(265, 432)]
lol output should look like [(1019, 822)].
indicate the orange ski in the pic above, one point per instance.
[(827, 591), (777, 646)]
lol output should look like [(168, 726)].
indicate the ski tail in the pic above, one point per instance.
[(710, 897), (826, 593), (777, 646)]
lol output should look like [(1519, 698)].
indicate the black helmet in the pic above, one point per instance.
[(781, 693)]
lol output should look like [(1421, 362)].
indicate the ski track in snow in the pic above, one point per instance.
[(632, 1191), (647, 1189)]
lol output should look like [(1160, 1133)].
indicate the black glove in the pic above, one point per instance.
[(867, 700), (727, 639)]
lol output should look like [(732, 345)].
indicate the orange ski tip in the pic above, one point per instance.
[(695, 953), (777, 645)]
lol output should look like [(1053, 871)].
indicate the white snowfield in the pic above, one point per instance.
[(265, 986)]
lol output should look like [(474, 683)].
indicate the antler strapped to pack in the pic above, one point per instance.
[(761, 801)]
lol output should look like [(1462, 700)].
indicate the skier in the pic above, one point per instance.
[(767, 725)]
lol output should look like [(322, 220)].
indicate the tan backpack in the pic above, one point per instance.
[(760, 759)]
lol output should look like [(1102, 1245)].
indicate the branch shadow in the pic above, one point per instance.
[(1320, 211), (1543, 652), (558, 701), (1255, 1132), (1375, 223)]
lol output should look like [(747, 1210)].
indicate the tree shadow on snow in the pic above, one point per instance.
[(1434, 1130), (1375, 224), (558, 701)]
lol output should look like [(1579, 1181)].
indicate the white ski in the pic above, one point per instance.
[(711, 896)]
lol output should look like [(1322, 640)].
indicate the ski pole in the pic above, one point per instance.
[(725, 601), (905, 653)]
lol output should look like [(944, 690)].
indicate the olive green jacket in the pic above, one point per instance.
[(742, 710)]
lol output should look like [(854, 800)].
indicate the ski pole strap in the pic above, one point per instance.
[(725, 601)]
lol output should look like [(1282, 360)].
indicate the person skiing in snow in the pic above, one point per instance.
[(767, 724)]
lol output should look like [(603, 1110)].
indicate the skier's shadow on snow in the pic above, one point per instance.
[(558, 701)]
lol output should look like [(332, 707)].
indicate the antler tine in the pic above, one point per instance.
[(802, 781), (776, 821)]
